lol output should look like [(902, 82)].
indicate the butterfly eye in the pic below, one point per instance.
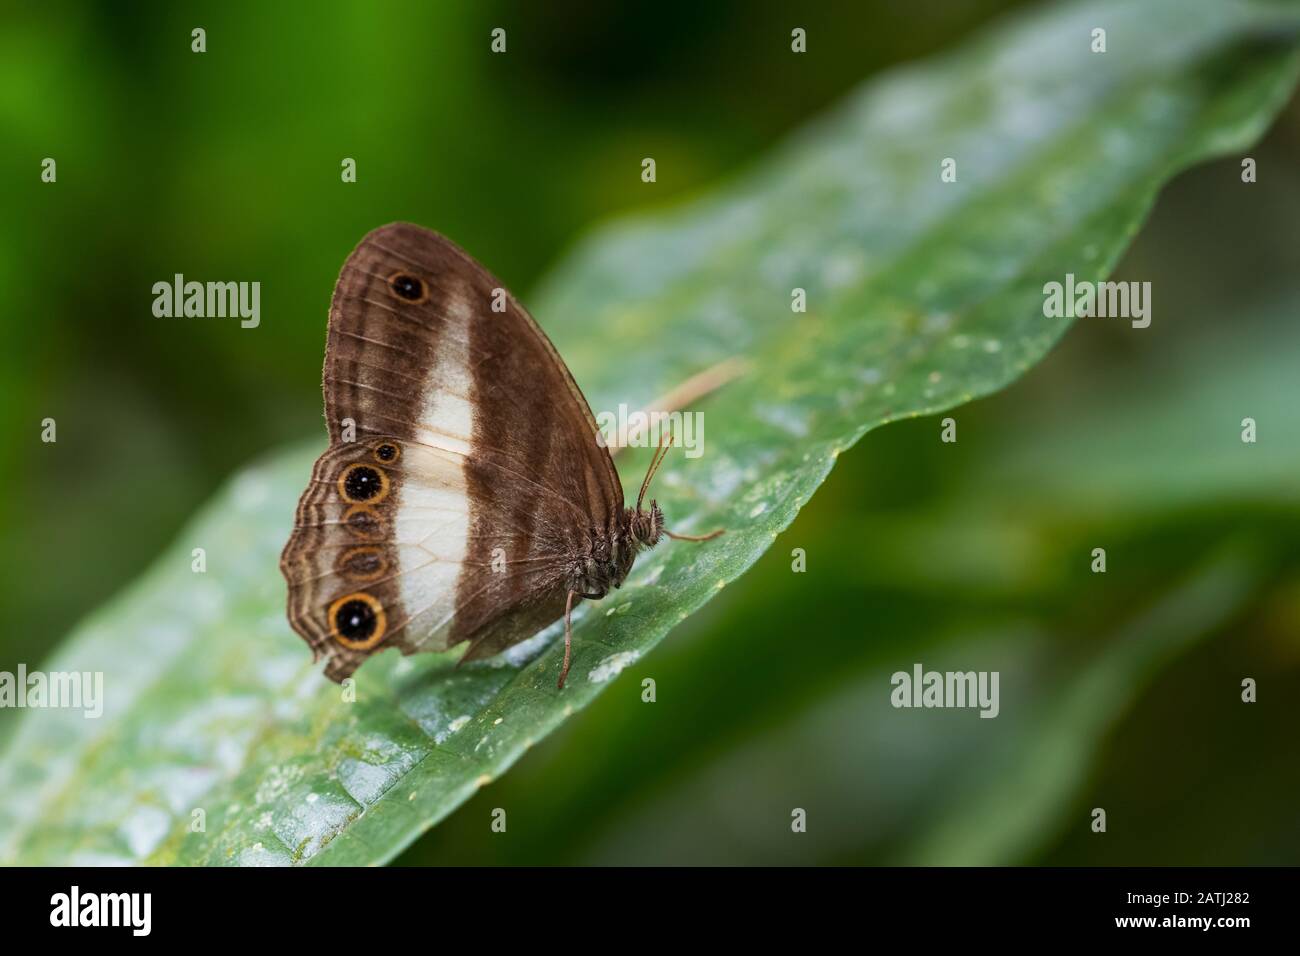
[(358, 621), (387, 452), (360, 483), (362, 564), (408, 287)]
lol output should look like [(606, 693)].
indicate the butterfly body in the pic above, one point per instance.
[(466, 496)]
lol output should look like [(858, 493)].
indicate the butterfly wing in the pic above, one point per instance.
[(464, 471)]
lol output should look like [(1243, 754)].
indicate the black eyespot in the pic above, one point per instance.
[(356, 620), (406, 286), (363, 483), (386, 452)]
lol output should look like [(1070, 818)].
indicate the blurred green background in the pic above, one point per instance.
[(226, 165)]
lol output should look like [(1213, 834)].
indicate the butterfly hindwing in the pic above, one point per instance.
[(382, 523), (463, 460)]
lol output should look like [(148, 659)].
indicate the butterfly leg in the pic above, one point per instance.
[(568, 630), (568, 636), (694, 537)]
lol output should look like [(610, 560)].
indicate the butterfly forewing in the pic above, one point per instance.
[(473, 472)]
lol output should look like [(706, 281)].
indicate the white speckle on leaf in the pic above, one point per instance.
[(844, 268), (937, 322), (276, 782), (788, 418), (758, 509), (258, 855), (525, 651), (613, 665), (458, 723), (144, 829)]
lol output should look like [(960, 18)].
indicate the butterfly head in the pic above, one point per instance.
[(642, 529), (645, 527)]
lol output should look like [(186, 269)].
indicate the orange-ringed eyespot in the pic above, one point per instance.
[(364, 563), (408, 287), (358, 621), (363, 483), (387, 452), (364, 522)]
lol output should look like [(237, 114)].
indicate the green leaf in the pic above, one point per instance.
[(960, 574), (922, 295)]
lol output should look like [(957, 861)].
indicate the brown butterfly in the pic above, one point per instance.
[(466, 495)]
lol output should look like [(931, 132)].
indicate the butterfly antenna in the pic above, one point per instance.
[(660, 454)]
